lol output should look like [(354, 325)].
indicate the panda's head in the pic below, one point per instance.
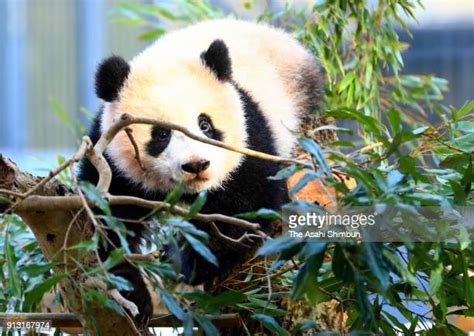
[(195, 92)]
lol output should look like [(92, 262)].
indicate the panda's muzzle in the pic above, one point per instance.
[(195, 167)]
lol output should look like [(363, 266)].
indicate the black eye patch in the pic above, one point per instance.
[(160, 138), (207, 127)]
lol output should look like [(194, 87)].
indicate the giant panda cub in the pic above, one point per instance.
[(245, 84)]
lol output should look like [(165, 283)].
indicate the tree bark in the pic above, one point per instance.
[(55, 231)]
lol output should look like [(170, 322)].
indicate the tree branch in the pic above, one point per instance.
[(50, 203), (127, 120)]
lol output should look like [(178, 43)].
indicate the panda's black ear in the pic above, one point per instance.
[(110, 77), (216, 58)]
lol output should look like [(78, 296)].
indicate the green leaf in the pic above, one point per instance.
[(174, 195), (465, 109), (286, 172), (200, 248), (62, 115), (365, 309), (421, 130), (207, 326), (407, 165), (94, 296), (119, 282), (394, 118), (35, 270), (313, 148), (197, 204), (277, 245), (369, 123), (312, 248), (13, 277), (93, 194), (303, 325), (172, 305), (212, 304), (87, 245), (346, 81), (436, 278), (306, 281), (402, 269), (188, 227), (152, 34), (458, 192), (114, 258), (34, 296), (468, 282), (307, 177), (261, 213), (455, 161), (271, 324), (466, 180), (394, 178)]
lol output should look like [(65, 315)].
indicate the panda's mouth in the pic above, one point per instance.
[(195, 182), (196, 178)]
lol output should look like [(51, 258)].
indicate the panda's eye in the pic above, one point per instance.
[(161, 134), (206, 126)]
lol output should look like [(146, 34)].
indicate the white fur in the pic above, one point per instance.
[(168, 81)]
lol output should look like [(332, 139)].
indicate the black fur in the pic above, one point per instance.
[(217, 59), (122, 186), (247, 190), (216, 134), (157, 144), (110, 77)]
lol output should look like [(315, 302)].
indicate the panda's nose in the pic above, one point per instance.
[(195, 167)]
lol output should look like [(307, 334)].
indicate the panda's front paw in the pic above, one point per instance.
[(141, 298), (139, 295)]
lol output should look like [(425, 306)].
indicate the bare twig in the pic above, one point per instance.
[(269, 284), (126, 120), (66, 236), (98, 160), (246, 237), (129, 132), (130, 258), (11, 193), (75, 158), (158, 205), (90, 214), (86, 142), (366, 149)]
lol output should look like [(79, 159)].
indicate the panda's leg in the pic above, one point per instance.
[(139, 294)]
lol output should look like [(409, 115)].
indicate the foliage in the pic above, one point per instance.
[(406, 161), (24, 274), (416, 163)]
